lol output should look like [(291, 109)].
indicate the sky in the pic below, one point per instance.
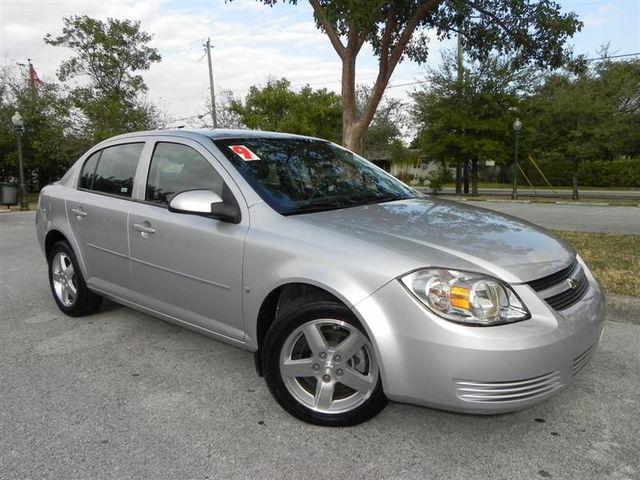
[(253, 42)]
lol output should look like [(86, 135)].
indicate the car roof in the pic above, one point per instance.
[(214, 134)]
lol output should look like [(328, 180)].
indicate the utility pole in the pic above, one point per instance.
[(208, 47)]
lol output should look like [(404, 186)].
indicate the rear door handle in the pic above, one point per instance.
[(79, 212), (143, 229)]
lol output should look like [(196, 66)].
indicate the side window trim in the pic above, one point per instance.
[(174, 141), (95, 168), (141, 159)]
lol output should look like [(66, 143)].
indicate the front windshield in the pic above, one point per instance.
[(300, 175)]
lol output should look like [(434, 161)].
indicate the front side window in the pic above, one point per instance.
[(300, 175), (115, 169), (177, 168)]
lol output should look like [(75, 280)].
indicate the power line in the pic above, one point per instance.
[(607, 57), (586, 60), (407, 84)]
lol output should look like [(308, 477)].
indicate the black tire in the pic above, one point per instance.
[(274, 342), (86, 301)]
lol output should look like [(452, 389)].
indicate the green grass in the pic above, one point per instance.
[(613, 258), (557, 187), (533, 199)]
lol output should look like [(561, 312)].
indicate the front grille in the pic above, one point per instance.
[(581, 360), (553, 279), (569, 297), (503, 392), (570, 286)]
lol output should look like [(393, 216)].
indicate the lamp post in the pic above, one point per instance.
[(18, 124), (517, 127)]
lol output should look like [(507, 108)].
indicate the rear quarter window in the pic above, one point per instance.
[(89, 171)]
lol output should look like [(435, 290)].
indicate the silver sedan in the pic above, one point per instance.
[(350, 288)]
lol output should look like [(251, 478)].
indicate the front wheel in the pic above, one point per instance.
[(321, 367)]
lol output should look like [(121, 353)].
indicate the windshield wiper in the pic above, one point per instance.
[(379, 199), (318, 207)]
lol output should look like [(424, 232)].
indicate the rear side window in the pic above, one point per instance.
[(177, 168), (115, 169), (89, 171)]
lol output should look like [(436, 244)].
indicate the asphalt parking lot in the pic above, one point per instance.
[(122, 395)]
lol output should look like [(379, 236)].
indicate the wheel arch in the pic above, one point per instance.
[(51, 238), (282, 297)]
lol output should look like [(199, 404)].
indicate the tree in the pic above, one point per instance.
[(385, 128), (48, 149), (470, 120), (109, 54), (277, 107), (592, 114), (227, 117), (533, 31)]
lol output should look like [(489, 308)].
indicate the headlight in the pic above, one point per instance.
[(464, 297)]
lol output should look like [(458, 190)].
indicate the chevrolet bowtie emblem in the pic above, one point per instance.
[(573, 283)]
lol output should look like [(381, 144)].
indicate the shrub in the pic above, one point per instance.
[(613, 173), (437, 179), (594, 173)]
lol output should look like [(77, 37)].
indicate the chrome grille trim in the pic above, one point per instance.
[(550, 280), (514, 391), (570, 296), (556, 289), (582, 360)]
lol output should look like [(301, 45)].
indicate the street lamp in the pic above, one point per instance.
[(18, 124), (517, 127)]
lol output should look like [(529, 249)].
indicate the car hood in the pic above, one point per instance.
[(435, 232)]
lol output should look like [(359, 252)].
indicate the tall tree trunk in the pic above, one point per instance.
[(474, 177), (351, 134), (458, 176), (465, 175), (574, 181)]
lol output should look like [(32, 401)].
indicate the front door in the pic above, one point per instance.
[(187, 266)]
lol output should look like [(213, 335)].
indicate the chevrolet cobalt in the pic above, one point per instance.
[(350, 288)]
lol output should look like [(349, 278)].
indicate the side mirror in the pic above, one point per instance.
[(205, 202)]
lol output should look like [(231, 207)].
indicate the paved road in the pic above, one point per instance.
[(121, 395), (559, 192), (586, 218)]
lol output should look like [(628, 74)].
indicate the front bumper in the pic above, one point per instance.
[(426, 360)]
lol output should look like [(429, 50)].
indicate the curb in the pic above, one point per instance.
[(590, 204), (623, 309)]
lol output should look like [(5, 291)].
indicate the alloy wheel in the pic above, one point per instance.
[(63, 276), (329, 366)]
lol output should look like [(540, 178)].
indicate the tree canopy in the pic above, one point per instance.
[(590, 115), (532, 32), (277, 107), (108, 57)]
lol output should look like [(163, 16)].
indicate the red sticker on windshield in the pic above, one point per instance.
[(244, 153)]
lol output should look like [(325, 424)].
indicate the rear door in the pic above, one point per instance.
[(187, 266), (97, 212)]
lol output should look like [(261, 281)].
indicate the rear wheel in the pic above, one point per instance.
[(67, 283), (321, 367)]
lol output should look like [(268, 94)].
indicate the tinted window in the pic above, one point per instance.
[(89, 171), (116, 169), (298, 175), (176, 168)]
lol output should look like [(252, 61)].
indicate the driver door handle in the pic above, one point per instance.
[(143, 229)]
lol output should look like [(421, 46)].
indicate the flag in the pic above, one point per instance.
[(34, 80)]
